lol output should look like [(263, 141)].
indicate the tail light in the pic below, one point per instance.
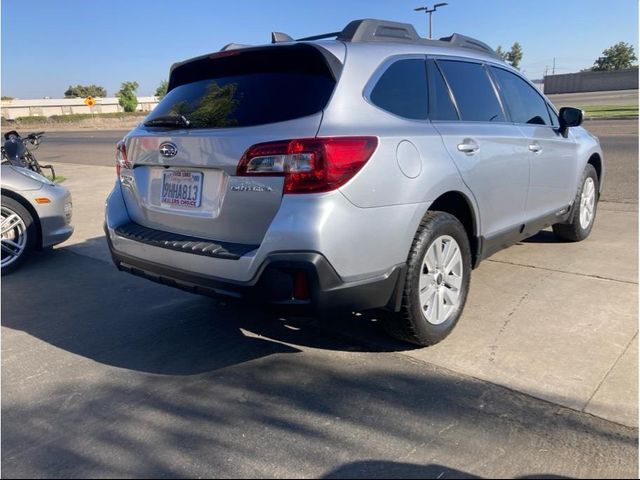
[(309, 165), (121, 157)]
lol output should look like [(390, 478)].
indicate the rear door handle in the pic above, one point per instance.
[(535, 147), (468, 146)]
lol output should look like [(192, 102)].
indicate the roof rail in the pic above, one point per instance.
[(371, 30), (463, 41), (320, 37)]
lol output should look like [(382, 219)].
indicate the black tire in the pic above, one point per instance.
[(31, 232), (410, 324), (572, 230)]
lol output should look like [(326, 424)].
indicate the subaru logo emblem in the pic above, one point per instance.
[(168, 150)]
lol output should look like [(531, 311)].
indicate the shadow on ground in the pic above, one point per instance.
[(543, 236), (298, 415), (381, 469), (161, 383), (89, 308)]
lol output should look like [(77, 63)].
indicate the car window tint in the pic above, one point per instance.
[(473, 91), (402, 89), (525, 105), (555, 121), (440, 107), (246, 88)]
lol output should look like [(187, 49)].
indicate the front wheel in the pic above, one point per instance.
[(436, 283), (18, 234), (583, 215)]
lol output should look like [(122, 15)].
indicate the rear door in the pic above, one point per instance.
[(184, 157), (552, 157), (489, 152)]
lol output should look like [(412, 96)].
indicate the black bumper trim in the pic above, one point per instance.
[(183, 243), (273, 282)]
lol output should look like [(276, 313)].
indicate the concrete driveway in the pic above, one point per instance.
[(558, 321), (111, 375)]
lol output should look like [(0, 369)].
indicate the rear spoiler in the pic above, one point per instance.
[(235, 50)]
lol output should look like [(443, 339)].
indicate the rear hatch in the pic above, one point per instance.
[(182, 160)]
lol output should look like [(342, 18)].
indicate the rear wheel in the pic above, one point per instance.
[(585, 204), (436, 284), (18, 234)]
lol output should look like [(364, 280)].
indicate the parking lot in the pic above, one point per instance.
[(105, 374)]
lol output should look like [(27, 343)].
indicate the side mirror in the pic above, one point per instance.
[(569, 117)]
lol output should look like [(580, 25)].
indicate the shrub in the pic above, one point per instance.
[(127, 96)]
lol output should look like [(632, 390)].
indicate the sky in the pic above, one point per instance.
[(48, 45)]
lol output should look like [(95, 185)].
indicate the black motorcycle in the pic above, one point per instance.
[(16, 152)]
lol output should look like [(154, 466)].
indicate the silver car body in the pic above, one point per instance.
[(53, 218), (365, 228)]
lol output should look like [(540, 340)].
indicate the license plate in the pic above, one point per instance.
[(181, 189)]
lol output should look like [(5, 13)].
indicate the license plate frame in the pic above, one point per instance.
[(181, 189)]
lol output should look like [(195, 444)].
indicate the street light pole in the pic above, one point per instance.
[(430, 11)]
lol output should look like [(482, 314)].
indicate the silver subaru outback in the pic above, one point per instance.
[(362, 169)]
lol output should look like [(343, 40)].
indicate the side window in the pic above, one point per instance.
[(555, 121), (473, 91), (524, 104), (440, 107), (402, 89)]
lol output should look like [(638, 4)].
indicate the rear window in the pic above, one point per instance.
[(251, 87)]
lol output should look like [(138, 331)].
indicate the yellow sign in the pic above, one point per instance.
[(89, 102)]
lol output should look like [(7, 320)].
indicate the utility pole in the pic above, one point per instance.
[(554, 66), (430, 11)]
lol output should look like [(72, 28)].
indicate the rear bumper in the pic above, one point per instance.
[(275, 282), (353, 275)]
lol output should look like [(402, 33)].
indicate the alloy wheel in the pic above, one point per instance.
[(587, 203), (13, 236), (441, 280)]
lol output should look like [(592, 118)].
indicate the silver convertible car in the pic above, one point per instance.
[(36, 214)]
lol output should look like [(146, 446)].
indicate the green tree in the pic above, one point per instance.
[(619, 56), (4, 97), (127, 96), (161, 91), (513, 56), (83, 91)]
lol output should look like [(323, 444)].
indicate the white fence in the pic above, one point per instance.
[(11, 109)]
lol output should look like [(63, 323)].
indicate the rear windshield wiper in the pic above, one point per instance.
[(168, 121)]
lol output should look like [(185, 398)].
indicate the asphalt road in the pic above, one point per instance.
[(619, 139)]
